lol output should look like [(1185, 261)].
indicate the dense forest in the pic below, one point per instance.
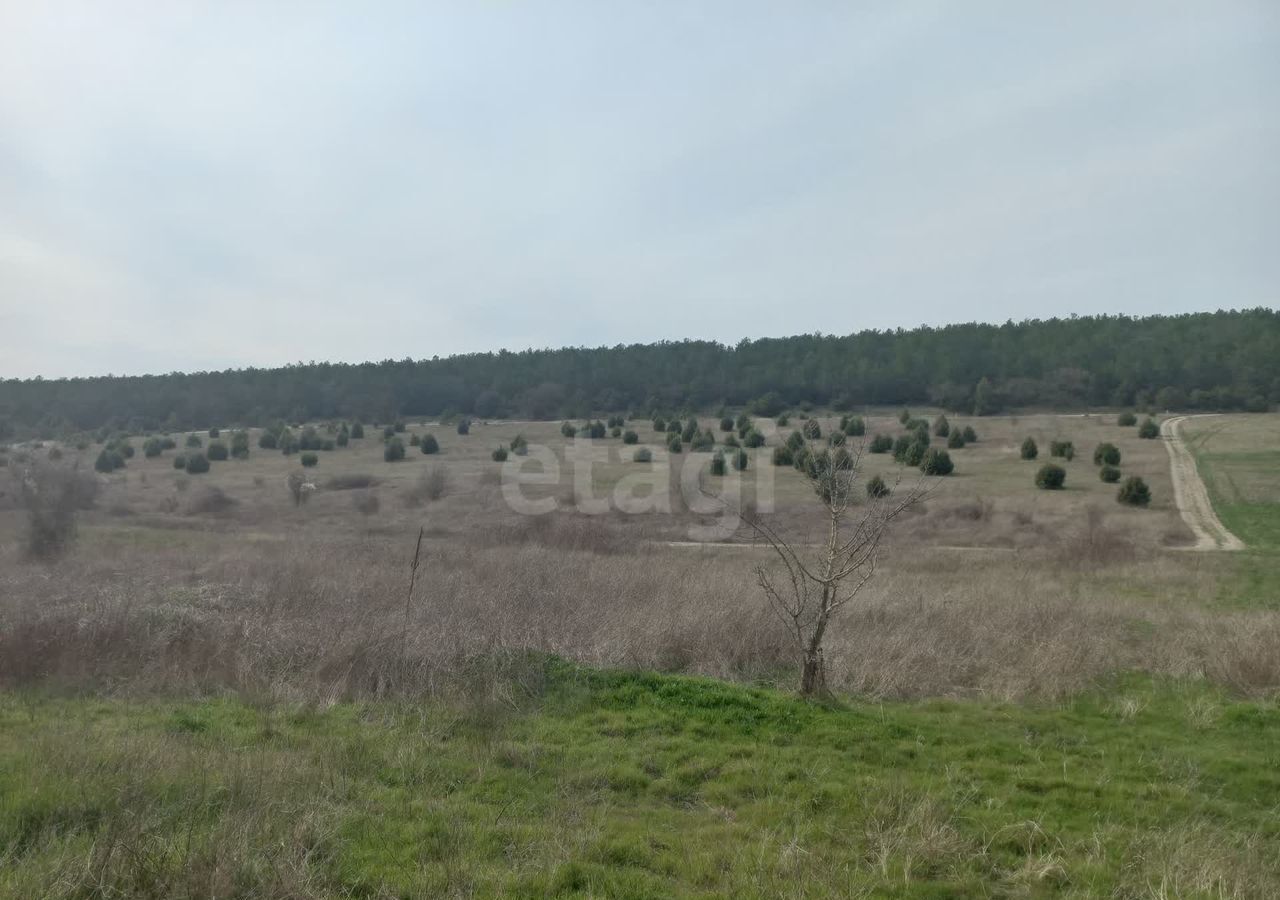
[(1222, 360)]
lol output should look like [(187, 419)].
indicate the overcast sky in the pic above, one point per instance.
[(201, 186)]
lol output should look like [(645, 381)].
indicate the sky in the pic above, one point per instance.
[(192, 186)]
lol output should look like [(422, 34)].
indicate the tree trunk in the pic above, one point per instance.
[(812, 677)]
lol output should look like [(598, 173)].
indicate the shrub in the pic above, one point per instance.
[(703, 442), (800, 459), (1062, 449), (914, 454), (166, 443), (659, 424), (812, 430), (674, 444), (769, 404), (464, 426), (308, 460), (108, 460), (881, 443), (642, 455), (1149, 430), (731, 440), (1134, 492), (1051, 477), (936, 462), (876, 488), (753, 438), (357, 431), (1029, 449), (782, 456), (740, 460), (214, 433), (1109, 474), (197, 464), (742, 423), (941, 427), (431, 485), (630, 437), (717, 462), (596, 429), (415, 441), (344, 437), (429, 445), (970, 436), (240, 444), (268, 440), (615, 432), (393, 451), (388, 432), (1126, 419), (327, 445), (782, 421), (840, 459), (568, 429), (500, 454), (217, 451), (726, 424), (955, 440), (1106, 454), (519, 446), (193, 441), (795, 440), (152, 448), (398, 427), (180, 461), (836, 438), (855, 427)]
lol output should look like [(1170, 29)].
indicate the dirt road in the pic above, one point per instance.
[(1191, 496)]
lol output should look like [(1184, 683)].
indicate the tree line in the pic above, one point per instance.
[(1219, 360)]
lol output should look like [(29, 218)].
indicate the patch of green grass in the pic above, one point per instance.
[(634, 785)]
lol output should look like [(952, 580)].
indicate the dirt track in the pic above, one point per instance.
[(1191, 496)]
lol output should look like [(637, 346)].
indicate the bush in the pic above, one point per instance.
[(970, 436), (398, 427), (308, 459), (240, 444), (152, 448), (344, 437), (1109, 474), (1149, 430), (431, 485), (519, 446), (630, 437), (1051, 477), (464, 426), (357, 431), (703, 442), (327, 445), (836, 438), (740, 460), (197, 464), (674, 445), (214, 433), (217, 451), (1029, 449), (855, 427), (800, 459), (1126, 419), (770, 405), (731, 440), (52, 495), (180, 461), (913, 453), (782, 456), (1106, 454), (726, 424), (415, 441), (941, 427), (596, 429), (876, 488), (717, 462), (782, 421), (795, 440), (753, 438), (840, 459), (388, 432), (1062, 449), (642, 455), (690, 430), (659, 424), (881, 443), (429, 445), (268, 440), (936, 462), (812, 430), (108, 460), (905, 416), (1134, 492), (193, 441), (955, 440), (393, 451), (500, 454)]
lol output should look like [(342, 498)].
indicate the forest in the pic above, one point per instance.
[(1225, 360)]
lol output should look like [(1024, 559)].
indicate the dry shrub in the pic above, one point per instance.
[(366, 503), (52, 495), (1094, 542), (561, 531), (210, 500), (431, 485), (354, 482)]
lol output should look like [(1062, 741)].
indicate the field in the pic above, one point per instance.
[(219, 692)]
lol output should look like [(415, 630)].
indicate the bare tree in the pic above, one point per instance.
[(817, 581)]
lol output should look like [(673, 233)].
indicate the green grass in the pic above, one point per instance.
[(632, 785)]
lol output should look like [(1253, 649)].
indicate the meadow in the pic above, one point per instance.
[(220, 691)]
